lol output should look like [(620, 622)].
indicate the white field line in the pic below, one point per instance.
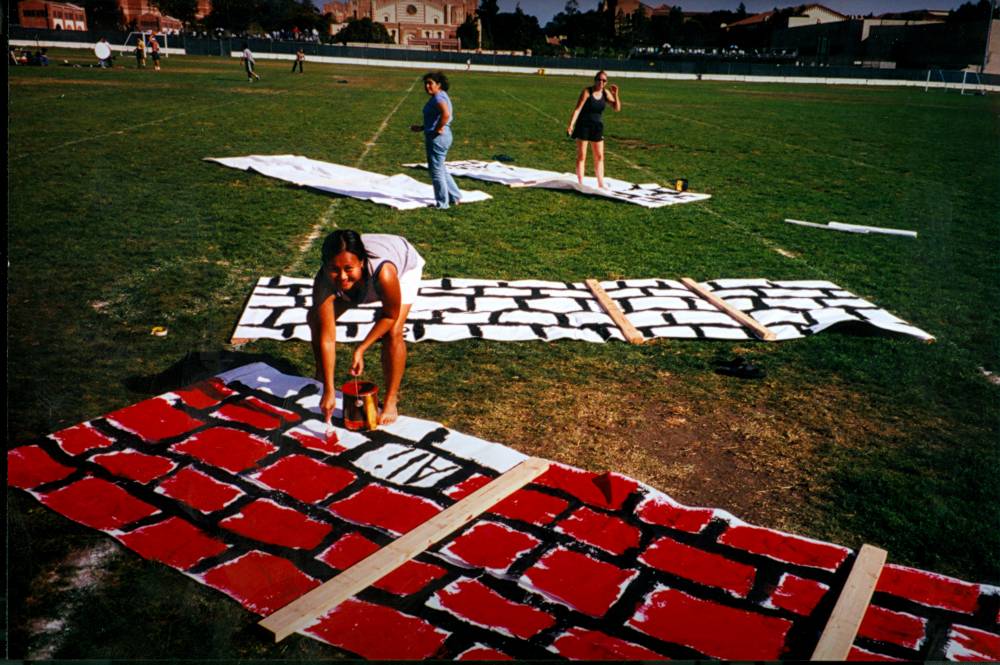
[(327, 216)]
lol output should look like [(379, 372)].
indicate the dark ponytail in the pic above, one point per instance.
[(344, 241)]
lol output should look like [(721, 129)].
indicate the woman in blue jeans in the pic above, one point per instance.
[(437, 138)]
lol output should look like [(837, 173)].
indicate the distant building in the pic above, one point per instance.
[(756, 31), (48, 15), (432, 23), (145, 17)]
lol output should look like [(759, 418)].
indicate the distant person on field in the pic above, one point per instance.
[(587, 124), (103, 52), (154, 50), (359, 269), (300, 57), (437, 138), (140, 52), (42, 58), (248, 63)]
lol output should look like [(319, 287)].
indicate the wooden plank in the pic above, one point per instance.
[(758, 329), (838, 636), (314, 604), (615, 312)]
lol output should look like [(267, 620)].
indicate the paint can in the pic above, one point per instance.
[(360, 405), (681, 184)]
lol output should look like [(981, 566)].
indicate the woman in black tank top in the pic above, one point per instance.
[(587, 124)]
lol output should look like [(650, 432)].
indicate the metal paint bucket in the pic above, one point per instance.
[(360, 405), (681, 185)]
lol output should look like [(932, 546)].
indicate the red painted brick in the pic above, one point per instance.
[(268, 522), (81, 438), (785, 547), (327, 444), (377, 505), (797, 594), (198, 490), (899, 628), (857, 653), (610, 533), (467, 487), (582, 644), (972, 644), (378, 633), (585, 584), (266, 407), (700, 566), (348, 550), (204, 394), (476, 603), (304, 478), (715, 630), (30, 466), (490, 545), (929, 589), (410, 578), (480, 652), (604, 490), (253, 417), (134, 465), (675, 516), (154, 420), (98, 504), (261, 582), (530, 506), (231, 449), (174, 542)]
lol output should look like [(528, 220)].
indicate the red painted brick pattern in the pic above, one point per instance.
[(174, 542), (480, 652), (530, 506), (80, 438), (797, 594), (98, 504), (231, 449), (700, 566), (970, 644), (135, 465), (585, 584), (377, 505), (785, 547), (198, 490), (30, 466), (583, 644), (204, 394), (490, 545), (410, 578), (674, 516), (899, 628), (268, 522), (467, 487), (607, 490), (154, 420), (610, 533), (348, 550), (929, 589), (859, 654), (378, 633), (304, 478), (261, 582), (476, 603), (327, 444), (247, 416)]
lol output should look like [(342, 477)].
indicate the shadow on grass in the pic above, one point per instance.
[(199, 365)]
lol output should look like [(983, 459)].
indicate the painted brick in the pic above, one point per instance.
[(900, 628), (198, 490), (582, 644), (785, 547), (530, 506), (476, 603), (135, 465), (268, 522), (154, 420), (98, 504), (972, 644), (467, 487), (605, 490), (204, 394), (585, 584), (658, 511), (699, 566), (377, 505), (410, 578), (242, 414), (797, 594), (304, 478), (929, 589), (230, 449), (714, 630), (30, 466), (859, 654), (378, 633), (80, 438), (348, 550), (610, 533), (490, 545), (174, 542), (261, 582), (327, 444), (266, 407), (481, 652)]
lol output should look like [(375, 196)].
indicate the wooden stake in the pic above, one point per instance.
[(838, 636), (615, 312), (758, 329), (307, 608)]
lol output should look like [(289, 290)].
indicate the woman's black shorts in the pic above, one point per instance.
[(588, 132)]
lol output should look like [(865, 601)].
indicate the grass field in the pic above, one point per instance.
[(117, 225)]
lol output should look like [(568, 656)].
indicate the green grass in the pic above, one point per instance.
[(117, 225)]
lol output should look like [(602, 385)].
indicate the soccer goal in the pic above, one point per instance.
[(972, 84), (134, 37)]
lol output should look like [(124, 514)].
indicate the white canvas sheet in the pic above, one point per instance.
[(650, 195), (398, 191), (452, 309)]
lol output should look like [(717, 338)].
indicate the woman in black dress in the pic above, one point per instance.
[(587, 124)]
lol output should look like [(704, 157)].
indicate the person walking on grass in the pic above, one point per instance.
[(140, 53), (300, 57), (248, 63), (358, 269), (154, 49), (438, 114), (587, 124)]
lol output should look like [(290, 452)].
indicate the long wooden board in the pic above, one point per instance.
[(838, 636), (307, 608), (758, 329), (615, 312)]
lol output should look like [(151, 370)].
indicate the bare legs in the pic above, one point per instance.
[(393, 366), (597, 148)]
